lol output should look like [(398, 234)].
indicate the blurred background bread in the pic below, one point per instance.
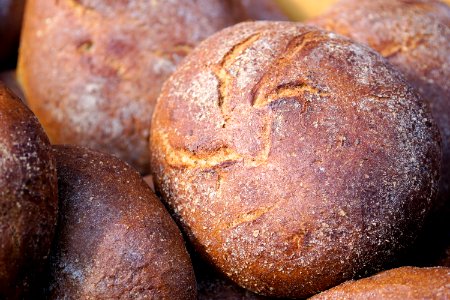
[(114, 238), (263, 10), (28, 197), (92, 70), (266, 144)]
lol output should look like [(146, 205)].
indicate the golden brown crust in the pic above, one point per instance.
[(402, 283), (28, 196), (293, 158), (11, 12), (92, 69), (115, 240)]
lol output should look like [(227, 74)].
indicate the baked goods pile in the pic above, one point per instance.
[(288, 159)]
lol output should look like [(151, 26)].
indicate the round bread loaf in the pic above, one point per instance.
[(402, 283), (263, 10), (92, 69), (294, 158), (11, 12), (114, 239), (28, 196)]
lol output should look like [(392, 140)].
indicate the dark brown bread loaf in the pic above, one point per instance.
[(11, 12), (294, 158), (114, 240), (262, 10), (402, 283), (28, 196), (92, 69), (414, 36)]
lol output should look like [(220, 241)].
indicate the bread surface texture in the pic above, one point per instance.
[(401, 283), (28, 196), (414, 36), (92, 69), (294, 158), (114, 240)]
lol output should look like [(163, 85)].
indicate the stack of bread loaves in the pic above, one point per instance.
[(290, 160)]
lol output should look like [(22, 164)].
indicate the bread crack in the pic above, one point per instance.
[(294, 91), (183, 158), (224, 77)]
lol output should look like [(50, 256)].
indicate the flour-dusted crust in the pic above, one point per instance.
[(414, 36), (28, 196), (92, 69), (293, 158), (115, 240), (402, 283)]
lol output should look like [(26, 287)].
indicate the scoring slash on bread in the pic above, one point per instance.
[(92, 70), (28, 196), (114, 238), (293, 158)]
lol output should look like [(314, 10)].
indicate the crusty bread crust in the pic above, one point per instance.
[(294, 158), (28, 196), (414, 36), (115, 240), (397, 284), (92, 69)]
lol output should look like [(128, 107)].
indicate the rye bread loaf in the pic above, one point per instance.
[(92, 69), (28, 196), (114, 239), (293, 158)]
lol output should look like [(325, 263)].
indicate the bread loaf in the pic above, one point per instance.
[(402, 283), (92, 69), (28, 197), (114, 238), (294, 158)]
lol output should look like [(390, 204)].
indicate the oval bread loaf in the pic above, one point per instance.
[(92, 69), (28, 197), (115, 240)]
